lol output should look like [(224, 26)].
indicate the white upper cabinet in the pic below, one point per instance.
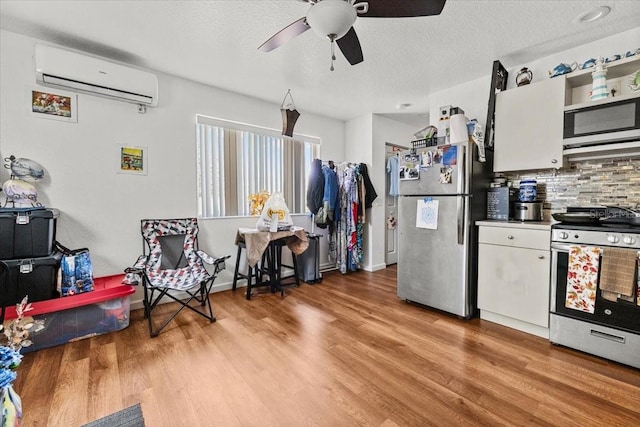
[(529, 126)]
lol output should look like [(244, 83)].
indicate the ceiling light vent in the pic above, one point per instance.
[(592, 15)]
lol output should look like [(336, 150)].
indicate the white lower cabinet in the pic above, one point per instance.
[(513, 277)]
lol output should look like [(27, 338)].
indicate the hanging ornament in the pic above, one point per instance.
[(289, 115)]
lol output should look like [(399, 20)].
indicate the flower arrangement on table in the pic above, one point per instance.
[(257, 201), (10, 359)]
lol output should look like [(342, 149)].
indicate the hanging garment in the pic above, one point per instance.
[(394, 177), (315, 191), (330, 188), (370, 194), (359, 212), (326, 214), (341, 231), (349, 246)]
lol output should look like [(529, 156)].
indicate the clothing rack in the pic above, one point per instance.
[(346, 232), (332, 163), (329, 163)]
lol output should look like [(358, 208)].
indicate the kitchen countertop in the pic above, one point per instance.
[(536, 225)]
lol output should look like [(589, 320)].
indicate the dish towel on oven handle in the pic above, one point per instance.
[(617, 274), (582, 278)]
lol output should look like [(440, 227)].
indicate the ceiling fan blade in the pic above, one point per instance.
[(350, 47), (281, 37), (403, 8)]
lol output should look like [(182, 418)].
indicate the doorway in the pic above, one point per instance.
[(391, 210)]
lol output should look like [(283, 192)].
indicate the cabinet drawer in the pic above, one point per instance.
[(515, 237)]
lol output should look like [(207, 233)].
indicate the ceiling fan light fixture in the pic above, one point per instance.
[(331, 18)]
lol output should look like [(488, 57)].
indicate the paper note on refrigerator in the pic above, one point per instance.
[(427, 214)]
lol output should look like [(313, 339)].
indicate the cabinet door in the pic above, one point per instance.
[(529, 125), (514, 282)]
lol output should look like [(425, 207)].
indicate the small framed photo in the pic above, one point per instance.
[(54, 104), (132, 159)]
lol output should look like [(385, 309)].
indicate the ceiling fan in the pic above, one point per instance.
[(334, 20)]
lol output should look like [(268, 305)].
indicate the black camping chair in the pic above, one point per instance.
[(172, 266)]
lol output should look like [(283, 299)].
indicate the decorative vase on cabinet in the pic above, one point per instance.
[(599, 86), (524, 77)]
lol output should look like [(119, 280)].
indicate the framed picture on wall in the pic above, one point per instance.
[(132, 159), (54, 104)]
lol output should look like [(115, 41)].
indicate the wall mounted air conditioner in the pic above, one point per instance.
[(82, 73)]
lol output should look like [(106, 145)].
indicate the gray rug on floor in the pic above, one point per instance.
[(128, 417)]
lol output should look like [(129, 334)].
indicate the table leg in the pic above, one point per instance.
[(273, 267)]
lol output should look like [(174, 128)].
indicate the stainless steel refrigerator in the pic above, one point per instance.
[(438, 267)]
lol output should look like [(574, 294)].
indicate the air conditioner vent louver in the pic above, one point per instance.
[(69, 70)]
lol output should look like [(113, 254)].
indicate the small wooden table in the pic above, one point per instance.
[(266, 246)]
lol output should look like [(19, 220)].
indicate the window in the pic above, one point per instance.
[(236, 160)]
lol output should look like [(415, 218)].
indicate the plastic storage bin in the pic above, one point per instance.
[(27, 232), (33, 277), (62, 320)]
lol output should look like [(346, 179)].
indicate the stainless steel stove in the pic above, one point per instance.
[(612, 330)]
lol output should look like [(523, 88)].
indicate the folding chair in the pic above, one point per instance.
[(172, 266)]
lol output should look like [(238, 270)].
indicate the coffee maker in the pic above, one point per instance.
[(500, 200)]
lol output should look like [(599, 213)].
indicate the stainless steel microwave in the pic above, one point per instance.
[(602, 122)]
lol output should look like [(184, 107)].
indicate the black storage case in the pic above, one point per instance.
[(32, 277), (308, 262), (27, 232)]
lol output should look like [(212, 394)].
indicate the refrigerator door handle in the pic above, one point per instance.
[(461, 202), (461, 187), (462, 184)]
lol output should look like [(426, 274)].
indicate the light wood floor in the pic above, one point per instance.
[(345, 352)]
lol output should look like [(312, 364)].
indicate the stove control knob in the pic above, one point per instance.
[(563, 235), (613, 239), (628, 240)]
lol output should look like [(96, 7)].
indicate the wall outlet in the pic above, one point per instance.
[(613, 88)]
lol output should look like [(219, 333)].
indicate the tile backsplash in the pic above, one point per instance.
[(595, 182)]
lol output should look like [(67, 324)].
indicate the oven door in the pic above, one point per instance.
[(621, 315)]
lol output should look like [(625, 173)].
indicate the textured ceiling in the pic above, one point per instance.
[(405, 59)]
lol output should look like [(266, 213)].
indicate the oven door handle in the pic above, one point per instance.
[(560, 247)]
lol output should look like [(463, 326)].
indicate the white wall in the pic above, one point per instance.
[(384, 130), (100, 208), (365, 137), (473, 97)]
